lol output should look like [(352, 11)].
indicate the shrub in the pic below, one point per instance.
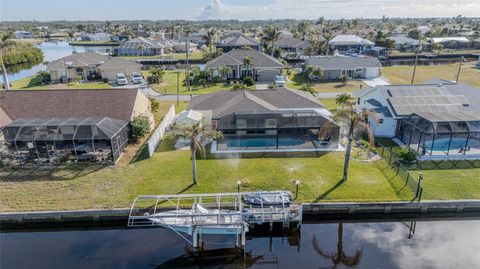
[(248, 81), (151, 80), (272, 86), (105, 80), (238, 86), (140, 127), (154, 104), (407, 155), (307, 87), (217, 79)]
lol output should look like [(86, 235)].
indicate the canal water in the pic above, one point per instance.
[(53, 51), (435, 244)]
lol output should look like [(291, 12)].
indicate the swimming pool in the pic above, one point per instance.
[(263, 142), (455, 144)]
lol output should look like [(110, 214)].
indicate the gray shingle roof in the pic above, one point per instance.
[(238, 40), (349, 39), (236, 57), (341, 62), (80, 59), (401, 39), (290, 42), (260, 101), (119, 63)]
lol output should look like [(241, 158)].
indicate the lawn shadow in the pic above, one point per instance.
[(141, 154), (186, 188), (326, 193), (51, 173)]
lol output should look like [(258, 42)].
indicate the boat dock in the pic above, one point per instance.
[(195, 215)]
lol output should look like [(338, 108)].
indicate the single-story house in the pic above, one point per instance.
[(379, 52), (281, 120), (345, 43), (23, 35), (50, 126), (142, 46), (89, 66), (335, 67), (451, 42), (284, 33), (404, 43), (438, 119), (291, 45), (96, 37), (234, 41), (263, 67)]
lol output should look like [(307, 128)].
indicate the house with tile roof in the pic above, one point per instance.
[(262, 68), (281, 120), (235, 40)]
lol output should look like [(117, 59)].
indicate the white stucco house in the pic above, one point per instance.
[(335, 67)]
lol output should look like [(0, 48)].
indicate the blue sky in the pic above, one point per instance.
[(230, 9)]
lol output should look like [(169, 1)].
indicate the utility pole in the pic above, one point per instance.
[(459, 69), (416, 59), (178, 83), (187, 71)]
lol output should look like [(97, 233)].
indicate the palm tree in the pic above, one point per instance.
[(327, 35), (343, 99), (312, 71), (304, 28), (198, 134), (157, 73), (271, 34), (209, 38), (354, 121), (187, 31), (340, 257), (5, 45), (225, 71)]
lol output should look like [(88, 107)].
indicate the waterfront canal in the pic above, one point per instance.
[(435, 244)]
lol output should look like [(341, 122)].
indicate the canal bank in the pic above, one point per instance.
[(312, 213)]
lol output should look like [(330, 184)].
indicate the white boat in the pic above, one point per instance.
[(206, 221)]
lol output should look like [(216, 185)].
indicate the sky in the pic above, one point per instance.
[(48, 10)]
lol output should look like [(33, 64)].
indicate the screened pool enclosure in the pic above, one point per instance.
[(63, 140), (442, 134)]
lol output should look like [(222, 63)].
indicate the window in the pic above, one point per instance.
[(270, 123), (358, 101), (380, 121)]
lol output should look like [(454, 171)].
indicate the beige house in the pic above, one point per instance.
[(89, 66)]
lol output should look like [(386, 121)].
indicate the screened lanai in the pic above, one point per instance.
[(63, 140), (442, 133)]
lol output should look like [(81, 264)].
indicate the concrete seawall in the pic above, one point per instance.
[(311, 212)]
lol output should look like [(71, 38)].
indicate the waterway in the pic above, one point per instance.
[(435, 244), (51, 52)]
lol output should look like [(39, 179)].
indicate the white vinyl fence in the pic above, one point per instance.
[(160, 131)]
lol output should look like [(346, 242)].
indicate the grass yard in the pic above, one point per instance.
[(329, 103), (296, 81), (169, 85), (441, 52), (403, 74), (30, 82)]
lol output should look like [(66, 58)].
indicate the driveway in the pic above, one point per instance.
[(372, 82), (168, 97), (261, 86)]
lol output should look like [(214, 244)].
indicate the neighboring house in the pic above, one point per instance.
[(437, 119), (89, 66), (285, 33), (291, 45), (344, 43), (478, 63), (142, 46), (235, 41), (451, 42), (404, 43), (96, 37), (379, 52), (281, 120), (181, 47), (23, 35), (263, 68), (335, 67), (49, 126)]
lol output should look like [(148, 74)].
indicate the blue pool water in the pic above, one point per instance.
[(455, 144), (262, 142)]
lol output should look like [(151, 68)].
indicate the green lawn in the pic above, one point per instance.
[(169, 85), (403, 74), (296, 81), (29, 82), (329, 103), (445, 51)]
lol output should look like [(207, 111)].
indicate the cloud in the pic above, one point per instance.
[(215, 10)]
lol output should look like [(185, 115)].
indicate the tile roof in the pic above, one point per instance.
[(260, 101), (343, 62), (114, 103), (236, 57)]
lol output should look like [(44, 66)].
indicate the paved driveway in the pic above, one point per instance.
[(372, 82), (162, 97)]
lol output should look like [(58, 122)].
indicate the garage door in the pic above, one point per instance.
[(267, 75), (372, 72)]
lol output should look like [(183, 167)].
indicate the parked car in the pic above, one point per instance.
[(279, 81), (137, 78), (121, 79)]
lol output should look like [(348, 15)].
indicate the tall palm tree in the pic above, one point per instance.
[(354, 121), (327, 35), (271, 34), (157, 73), (5, 45), (304, 28), (313, 71), (339, 258), (209, 38), (198, 134)]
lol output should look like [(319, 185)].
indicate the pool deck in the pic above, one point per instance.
[(214, 150), (472, 154)]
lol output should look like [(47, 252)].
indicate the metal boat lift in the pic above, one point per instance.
[(194, 215)]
